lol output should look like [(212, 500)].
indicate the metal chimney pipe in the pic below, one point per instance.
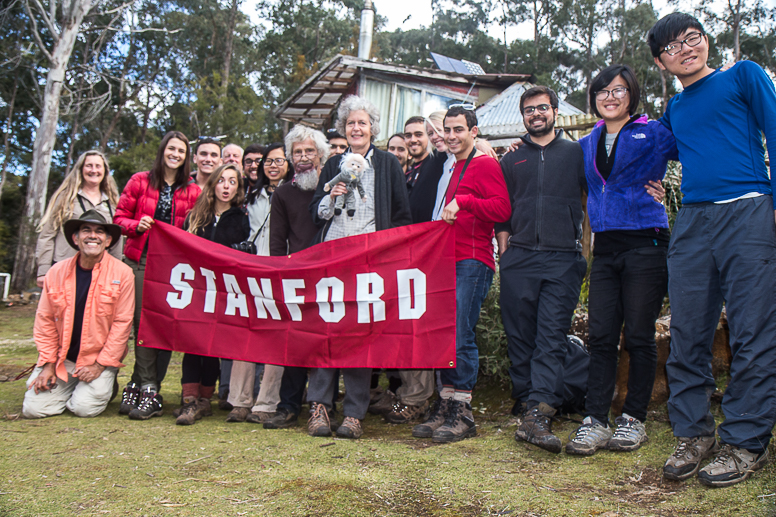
[(367, 26)]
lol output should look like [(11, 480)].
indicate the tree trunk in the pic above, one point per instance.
[(45, 137), (227, 57), (6, 141), (737, 32), (622, 31)]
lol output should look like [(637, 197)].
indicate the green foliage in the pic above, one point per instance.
[(491, 339), (135, 159)]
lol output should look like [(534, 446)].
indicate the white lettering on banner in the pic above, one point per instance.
[(412, 300), (292, 299), (329, 294), (235, 299), (181, 299), (369, 289), (263, 298), (210, 294), (334, 312)]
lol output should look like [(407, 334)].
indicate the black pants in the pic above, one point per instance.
[(201, 369), (629, 287), (292, 389), (539, 292)]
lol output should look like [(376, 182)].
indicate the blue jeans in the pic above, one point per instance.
[(472, 282)]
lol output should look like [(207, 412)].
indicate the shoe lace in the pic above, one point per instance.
[(146, 402), (320, 412), (351, 423), (725, 454), (540, 421), (455, 408), (129, 396), (625, 429), (581, 433)]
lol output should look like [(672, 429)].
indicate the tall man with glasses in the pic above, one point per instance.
[(723, 249), (541, 264)]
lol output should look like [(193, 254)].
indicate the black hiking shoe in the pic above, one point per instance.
[(536, 428), (150, 406), (458, 424), (282, 419), (130, 398)]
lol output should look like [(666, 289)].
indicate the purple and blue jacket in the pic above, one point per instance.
[(620, 202)]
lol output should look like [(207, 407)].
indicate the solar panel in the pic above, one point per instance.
[(449, 64)]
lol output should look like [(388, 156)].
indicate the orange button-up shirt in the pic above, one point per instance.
[(110, 306)]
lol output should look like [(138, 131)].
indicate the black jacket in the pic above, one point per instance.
[(423, 193), (392, 207), (233, 227), (545, 188)]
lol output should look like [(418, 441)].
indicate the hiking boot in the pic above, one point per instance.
[(350, 428), (731, 465), (130, 398), (223, 403), (383, 404), (189, 413), (238, 414), (629, 435), (205, 409), (402, 413), (282, 419), (150, 405), (259, 417), (458, 424), (686, 459), (536, 428), (319, 424), (589, 437), (434, 420)]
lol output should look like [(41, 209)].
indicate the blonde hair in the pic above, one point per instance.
[(437, 116), (60, 206), (205, 208)]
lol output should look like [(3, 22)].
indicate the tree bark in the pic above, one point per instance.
[(227, 57), (45, 137)]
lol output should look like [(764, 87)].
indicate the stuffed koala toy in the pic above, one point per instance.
[(352, 167)]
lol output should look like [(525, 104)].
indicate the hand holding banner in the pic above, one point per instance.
[(378, 300)]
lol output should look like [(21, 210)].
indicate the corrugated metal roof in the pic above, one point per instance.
[(500, 116)]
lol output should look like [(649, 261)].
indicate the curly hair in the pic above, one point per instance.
[(300, 133), (205, 208), (356, 103)]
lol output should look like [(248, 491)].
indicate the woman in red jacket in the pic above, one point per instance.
[(165, 193)]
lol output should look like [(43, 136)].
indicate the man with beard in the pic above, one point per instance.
[(250, 163), (338, 144), (397, 148), (541, 264), (291, 230)]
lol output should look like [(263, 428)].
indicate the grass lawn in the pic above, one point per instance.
[(110, 465)]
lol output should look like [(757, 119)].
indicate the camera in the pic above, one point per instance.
[(246, 246)]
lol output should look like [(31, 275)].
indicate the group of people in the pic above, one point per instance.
[(272, 201)]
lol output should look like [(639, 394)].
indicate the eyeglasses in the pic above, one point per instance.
[(691, 40), (541, 108), (276, 161), (617, 93), (467, 107), (248, 162), (307, 153)]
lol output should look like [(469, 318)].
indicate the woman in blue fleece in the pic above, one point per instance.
[(629, 278)]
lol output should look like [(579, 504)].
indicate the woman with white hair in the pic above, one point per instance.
[(88, 186), (386, 206)]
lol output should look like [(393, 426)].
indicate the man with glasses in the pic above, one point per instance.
[(541, 264), (250, 163), (723, 249), (207, 158)]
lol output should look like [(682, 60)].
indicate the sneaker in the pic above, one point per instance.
[(282, 419), (259, 417), (130, 398), (383, 404), (629, 435), (731, 465), (402, 413), (686, 459), (189, 412), (350, 428), (150, 405), (458, 424), (319, 424), (536, 428), (589, 437), (238, 414), (434, 420)]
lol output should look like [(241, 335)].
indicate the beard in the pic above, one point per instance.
[(549, 125), (307, 181)]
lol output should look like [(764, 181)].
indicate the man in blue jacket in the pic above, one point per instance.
[(723, 249)]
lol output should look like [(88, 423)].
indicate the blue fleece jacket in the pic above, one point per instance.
[(620, 202), (717, 123)]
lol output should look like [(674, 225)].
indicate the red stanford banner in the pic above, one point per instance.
[(380, 300)]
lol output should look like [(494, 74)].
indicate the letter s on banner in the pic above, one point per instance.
[(412, 302), (182, 299)]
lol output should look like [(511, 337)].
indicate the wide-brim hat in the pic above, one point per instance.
[(91, 216)]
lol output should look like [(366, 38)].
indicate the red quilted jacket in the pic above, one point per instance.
[(139, 199)]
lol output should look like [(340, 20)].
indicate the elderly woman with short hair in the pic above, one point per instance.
[(386, 206)]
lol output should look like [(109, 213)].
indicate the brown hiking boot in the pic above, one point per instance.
[(189, 412), (282, 419), (259, 417), (434, 420), (350, 428), (402, 413), (536, 428), (319, 424), (686, 459), (238, 414), (383, 404), (204, 407), (458, 424)]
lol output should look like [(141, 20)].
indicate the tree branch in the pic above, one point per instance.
[(150, 29), (35, 34), (48, 21)]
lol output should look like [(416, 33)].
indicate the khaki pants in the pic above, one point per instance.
[(417, 386), (241, 386), (84, 399)]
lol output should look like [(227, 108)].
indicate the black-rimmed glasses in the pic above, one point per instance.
[(691, 40), (541, 108), (275, 161)]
